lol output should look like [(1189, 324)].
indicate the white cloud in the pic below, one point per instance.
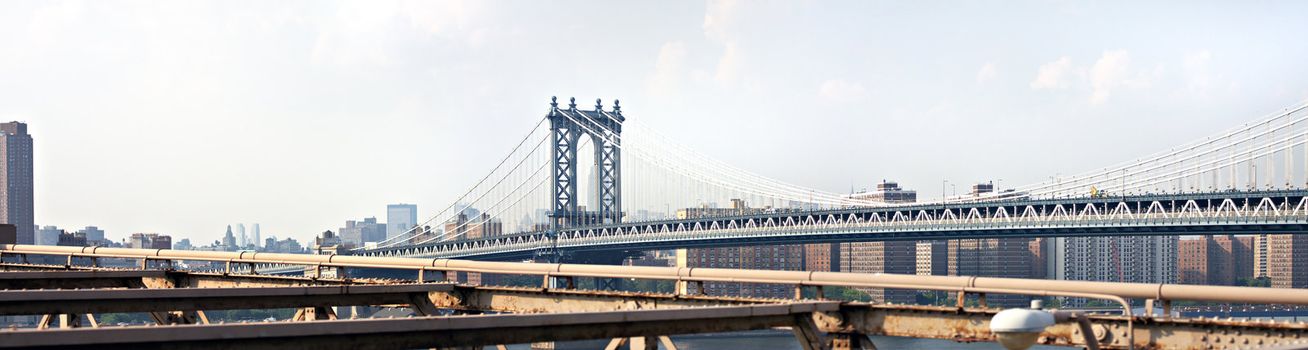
[(668, 69), (1054, 75), (719, 18), (1113, 71), (728, 65), (1110, 71), (1109, 74), (842, 90), (987, 73)]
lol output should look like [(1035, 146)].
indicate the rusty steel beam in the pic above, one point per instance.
[(537, 300), (36, 302), (947, 323), (183, 279), (973, 325), (74, 279), (189, 279), (423, 332), (1039, 287)]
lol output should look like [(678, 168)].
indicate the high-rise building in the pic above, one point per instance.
[(16, 196), (822, 257), (1241, 249), (898, 257), (74, 239), (473, 227), (184, 244), (1144, 259), (769, 257), (241, 239), (400, 218), (1286, 259), (993, 257), (1039, 251), (229, 240), (150, 241), (47, 235), (357, 233), (932, 258), (1214, 260), (254, 236), (1260, 256), (94, 235)]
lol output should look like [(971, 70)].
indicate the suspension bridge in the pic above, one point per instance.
[(646, 191), (534, 205)]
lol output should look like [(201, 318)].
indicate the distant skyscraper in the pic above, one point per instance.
[(400, 218), (357, 233), (822, 257), (1286, 259), (898, 257), (184, 244), (254, 235), (229, 240), (16, 197), (992, 257), (788, 257), (1143, 259), (241, 239), (75, 239), (93, 234), (1215, 260), (47, 235), (932, 258), (150, 241)]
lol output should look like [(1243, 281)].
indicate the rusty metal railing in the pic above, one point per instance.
[(1114, 291)]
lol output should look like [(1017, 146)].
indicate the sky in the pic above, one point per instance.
[(182, 117)]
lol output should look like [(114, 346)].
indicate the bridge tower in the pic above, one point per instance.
[(567, 126)]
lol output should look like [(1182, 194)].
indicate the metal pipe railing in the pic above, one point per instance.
[(1156, 291)]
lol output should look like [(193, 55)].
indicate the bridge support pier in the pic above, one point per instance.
[(849, 341)]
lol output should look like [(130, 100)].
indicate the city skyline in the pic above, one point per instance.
[(258, 122)]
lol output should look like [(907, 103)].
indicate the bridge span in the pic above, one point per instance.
[(1225, 212), (556, 310), (648, 191)]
